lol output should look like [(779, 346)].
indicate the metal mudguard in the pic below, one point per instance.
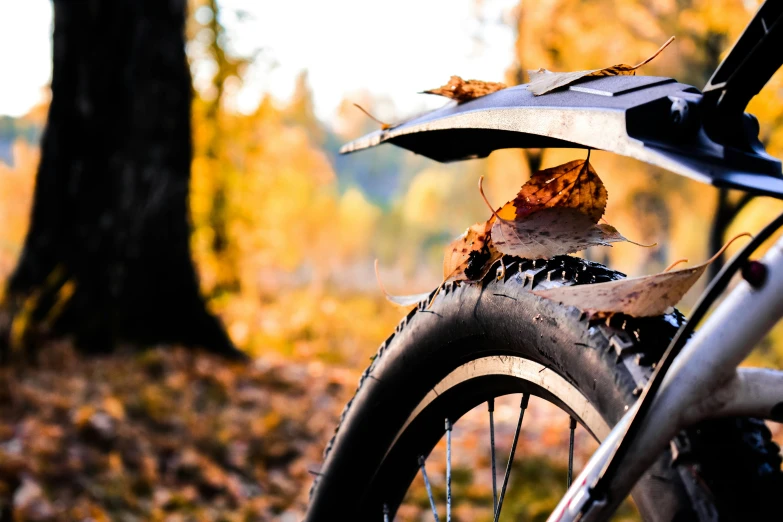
[(652, 119)]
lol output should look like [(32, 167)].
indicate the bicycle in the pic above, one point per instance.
[(678, 421)]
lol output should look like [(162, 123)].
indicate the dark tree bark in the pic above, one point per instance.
[(107, 257)]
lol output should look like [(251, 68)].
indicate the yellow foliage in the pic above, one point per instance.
[(17, 183), (357, 219), (428, 199), (294, 271)]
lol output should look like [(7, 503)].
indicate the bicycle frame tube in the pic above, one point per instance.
[(703, 382)]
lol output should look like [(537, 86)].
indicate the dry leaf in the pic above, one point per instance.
[(461, 90), (404, 301), (572, 185), (543, 81), (638, 297), (470, 256), (551, 232)]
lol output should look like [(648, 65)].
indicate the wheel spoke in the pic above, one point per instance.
[(522, 408), (571, 453), (491, 408), (448, 470), (429, 488)]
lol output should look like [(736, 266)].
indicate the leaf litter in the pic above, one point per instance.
[(169, 433), (543, 81), (644, 296)]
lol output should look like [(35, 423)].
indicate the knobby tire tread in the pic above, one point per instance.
[(730, 467)]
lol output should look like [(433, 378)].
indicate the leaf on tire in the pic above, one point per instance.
[(543, 81), (638, 296), (554, 213), (404, 301), (470, 256), (551, 232), (461, 90)]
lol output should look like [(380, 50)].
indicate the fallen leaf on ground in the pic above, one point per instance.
[(400, 300), (470, 256), (638, 296), (461, 90), (571, 185), (543, 81)]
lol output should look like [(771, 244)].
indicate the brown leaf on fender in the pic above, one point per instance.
[(572, 185), (461, 90), (470, 256), (638, 296), (551, 232), (543, 81)]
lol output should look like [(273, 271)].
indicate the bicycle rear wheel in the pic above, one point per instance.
[(482, 341)]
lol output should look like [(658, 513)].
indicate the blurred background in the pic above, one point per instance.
[(285, 231)]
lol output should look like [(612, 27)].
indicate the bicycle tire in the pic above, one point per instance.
[(726, 469)]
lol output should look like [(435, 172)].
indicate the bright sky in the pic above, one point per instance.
[(25, 54), (389, 48)]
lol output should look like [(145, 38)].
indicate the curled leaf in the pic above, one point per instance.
[(470, 256), (543, 81), (404, 301), (638, 296), (461, 90)]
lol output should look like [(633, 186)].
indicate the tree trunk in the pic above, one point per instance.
[(107, 257)]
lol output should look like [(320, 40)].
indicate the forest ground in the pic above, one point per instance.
[(179, 435)]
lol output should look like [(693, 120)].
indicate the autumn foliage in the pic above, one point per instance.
[(284, 237)]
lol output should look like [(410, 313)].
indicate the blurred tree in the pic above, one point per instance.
[(107, 258), (227, 67), (300, 110)]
